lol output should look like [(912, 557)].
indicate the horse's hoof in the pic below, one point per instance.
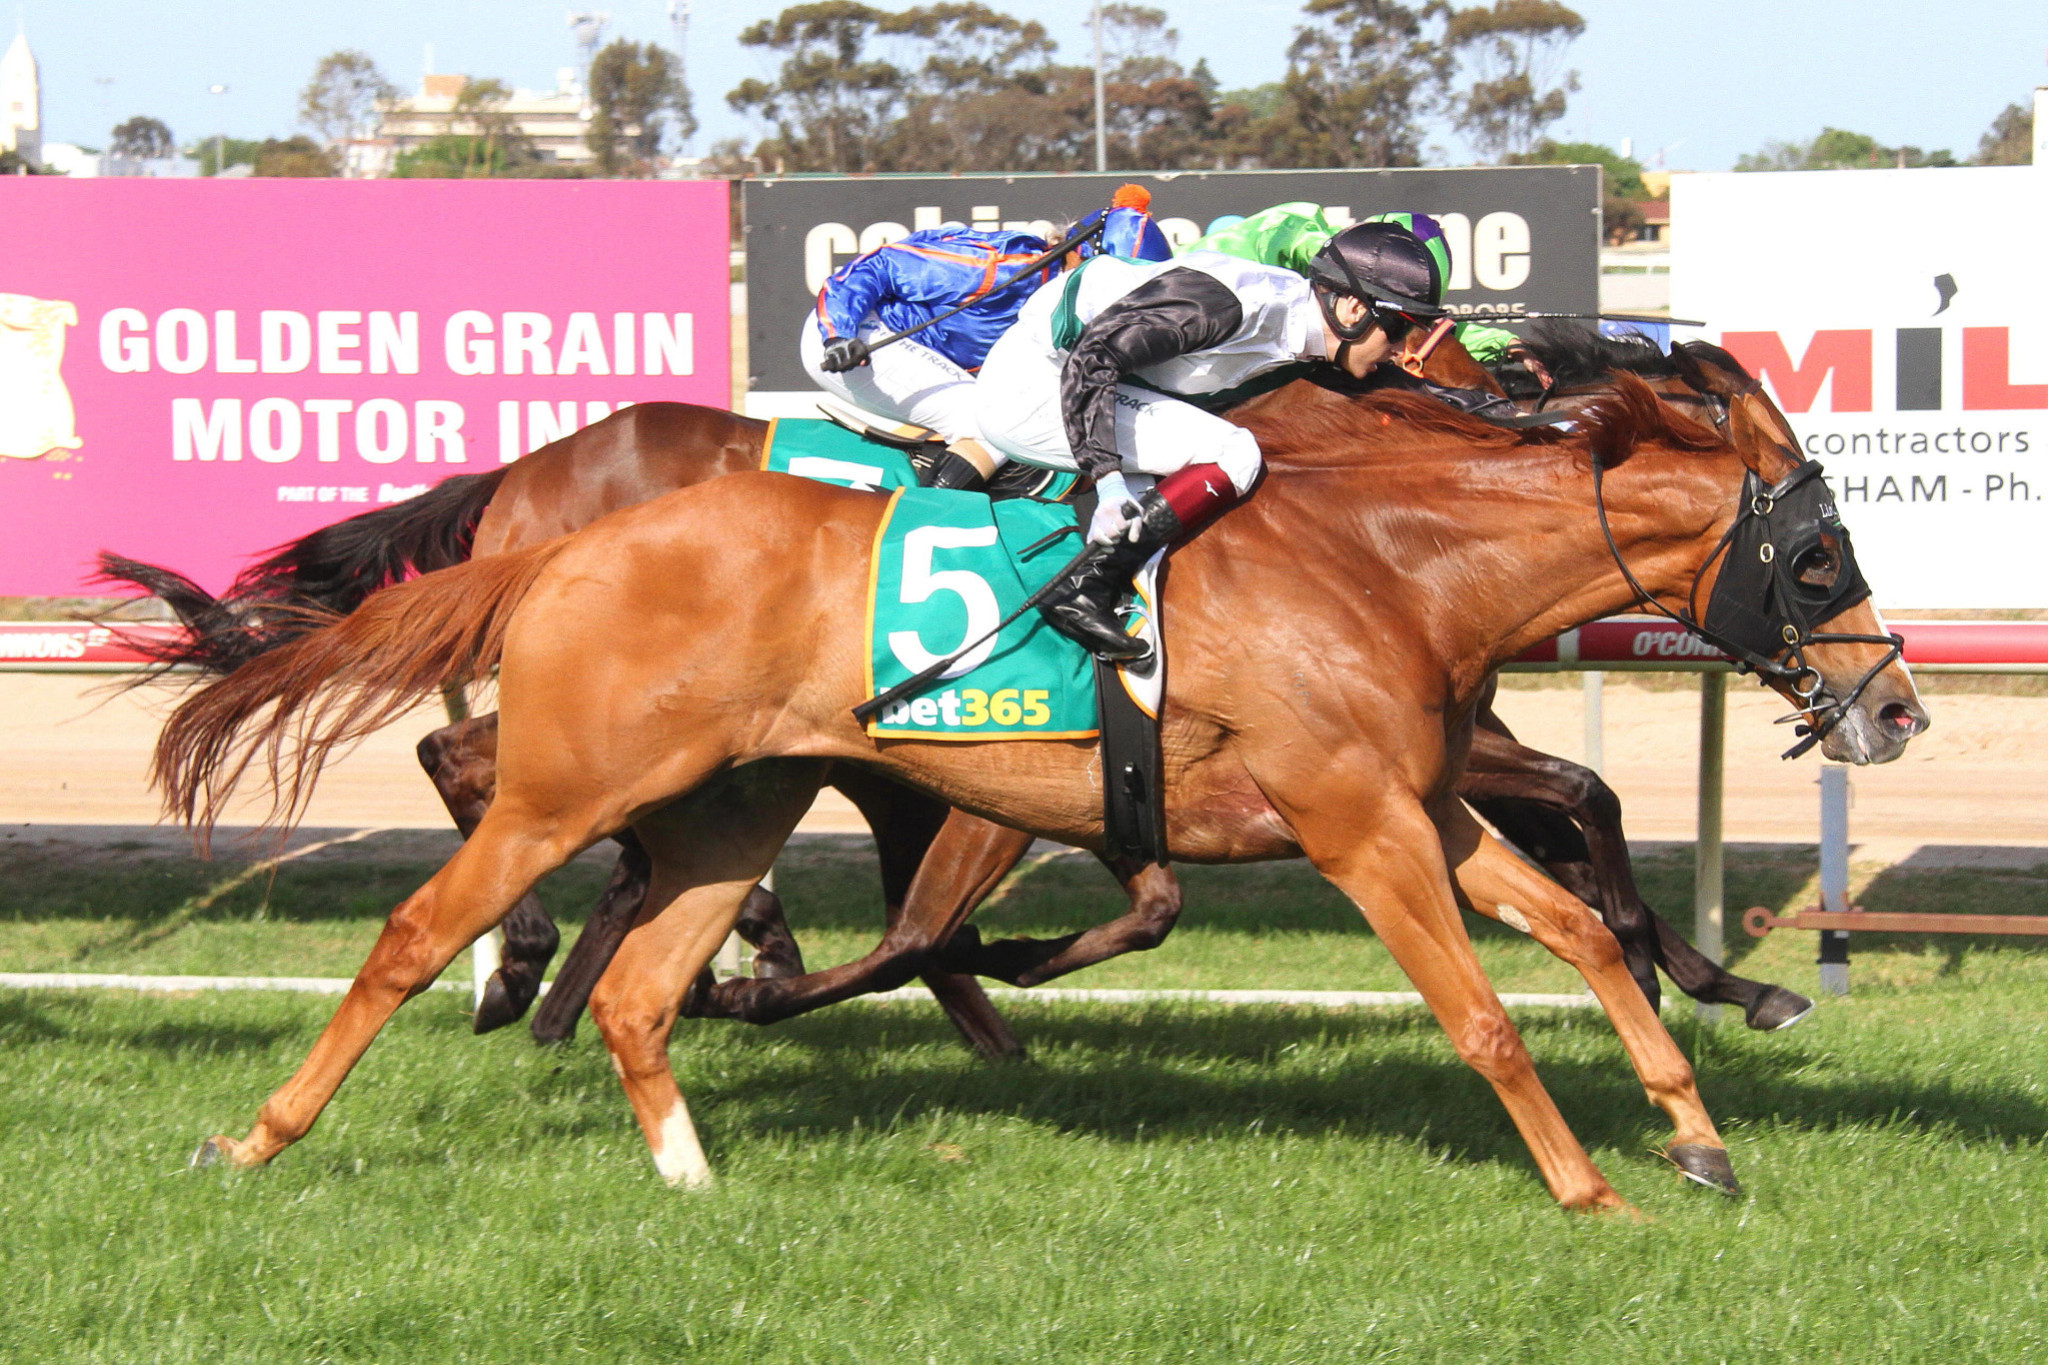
[(1776, 1008), (213, 1152), (497, 1008), (1704, 1165)]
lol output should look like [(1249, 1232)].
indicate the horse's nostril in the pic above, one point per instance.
[(1899, 716)]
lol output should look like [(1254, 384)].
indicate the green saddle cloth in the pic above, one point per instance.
[(946, 567)]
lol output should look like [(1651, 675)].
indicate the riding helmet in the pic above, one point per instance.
[(1382, 263), (1127, 228)]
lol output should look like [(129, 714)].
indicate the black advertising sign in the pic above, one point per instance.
[(1523, 238)]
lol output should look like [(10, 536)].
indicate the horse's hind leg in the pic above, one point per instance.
[(1502, 887), (462, 762), (1154, 895), (965, 863), (708, 851), (613, 915), (510, 851), (905, 825)]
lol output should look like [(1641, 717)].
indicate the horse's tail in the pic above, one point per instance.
[(300, 584), (294, 704)]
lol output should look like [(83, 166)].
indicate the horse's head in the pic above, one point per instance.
[(1786, 592)]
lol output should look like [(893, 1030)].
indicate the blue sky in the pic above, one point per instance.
[(1707, 81)]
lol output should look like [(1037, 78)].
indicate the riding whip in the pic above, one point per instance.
[(1051, 253)]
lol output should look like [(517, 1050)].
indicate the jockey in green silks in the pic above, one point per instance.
[(1289, 236)]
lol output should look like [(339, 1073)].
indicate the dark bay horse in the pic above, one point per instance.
[(687, 667), (1558, 812)]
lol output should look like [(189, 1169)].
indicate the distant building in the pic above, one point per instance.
[(554, 122), (69, 159), (21, 102)]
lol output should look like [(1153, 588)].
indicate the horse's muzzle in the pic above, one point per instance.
[(1876, 728)]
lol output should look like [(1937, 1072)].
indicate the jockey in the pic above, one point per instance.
[(1290, 235), (1094, 374), (929, 379)]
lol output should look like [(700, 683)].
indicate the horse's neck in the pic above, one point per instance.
[(1488, 553)]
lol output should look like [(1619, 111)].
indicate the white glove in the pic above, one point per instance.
[(1116, 510)]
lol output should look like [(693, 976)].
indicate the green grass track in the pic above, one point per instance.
[(1158, 1183)]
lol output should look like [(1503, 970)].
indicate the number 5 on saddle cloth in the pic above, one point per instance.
[(946, 567)]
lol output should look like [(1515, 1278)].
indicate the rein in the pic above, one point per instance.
[(1771, 642)]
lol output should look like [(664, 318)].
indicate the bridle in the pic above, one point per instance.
[(1760, 613)]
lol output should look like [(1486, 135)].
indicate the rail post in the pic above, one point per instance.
[(1593, 687), (1834, 876), (1707, 880)]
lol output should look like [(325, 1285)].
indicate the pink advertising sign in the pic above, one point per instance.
[(193, 371)]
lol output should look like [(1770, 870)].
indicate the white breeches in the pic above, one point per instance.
[(905, 382), (1017, 402)]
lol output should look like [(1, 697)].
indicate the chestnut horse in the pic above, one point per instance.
[(686, 668), (1558, 812)]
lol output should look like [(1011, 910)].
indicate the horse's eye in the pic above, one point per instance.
[(1818, 566)]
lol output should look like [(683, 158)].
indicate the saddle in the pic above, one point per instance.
[(1127, 703), (923, 446)]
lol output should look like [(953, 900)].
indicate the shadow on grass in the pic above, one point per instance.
[(27, 1018), (1167, 1071)]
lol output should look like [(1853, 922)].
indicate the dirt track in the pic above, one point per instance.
[(76, 755)]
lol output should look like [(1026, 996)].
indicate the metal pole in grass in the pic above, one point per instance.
[(1834, 875), (487, 954), (1594, 690), (1707, 890)]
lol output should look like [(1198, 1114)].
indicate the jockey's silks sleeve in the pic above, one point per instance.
[(853, 292), (1172, 314)]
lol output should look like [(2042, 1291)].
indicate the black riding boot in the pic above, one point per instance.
[(1087, 607), (952, 470)]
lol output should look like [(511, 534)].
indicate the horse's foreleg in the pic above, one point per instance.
[(1398, 879), (1566, 818), (905, 825), (1155, 901), (1502, 887), (498, 864), (613, 915), (462, 762), (708, 851), (964, 864)]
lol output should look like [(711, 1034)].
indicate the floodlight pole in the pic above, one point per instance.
[(1101, 135), (220, 139)]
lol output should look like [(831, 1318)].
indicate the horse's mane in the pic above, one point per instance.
[(1615, 423), (1316, 427), (1320, 426), (1577, 355)]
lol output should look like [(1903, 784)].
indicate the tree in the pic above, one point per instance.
[(2010, 140), (1838, 149), (294, 156), (635, 91), (832, 102), (1621, 181), (1514, 50), (142, 139), (1159, 115), (1361, 77), (978, 91), (345, 98), (13, 163)]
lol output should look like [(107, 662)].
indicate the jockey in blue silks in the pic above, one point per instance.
[(928, 379)]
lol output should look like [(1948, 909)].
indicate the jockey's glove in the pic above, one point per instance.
[(843, 354), (1116, 510)]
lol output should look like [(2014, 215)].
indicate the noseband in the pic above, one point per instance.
[(1760, 613)]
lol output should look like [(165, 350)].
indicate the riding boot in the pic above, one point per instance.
[(1087, 607), (953, 470)]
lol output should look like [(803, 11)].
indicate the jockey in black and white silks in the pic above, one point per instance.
[(1109, 372)]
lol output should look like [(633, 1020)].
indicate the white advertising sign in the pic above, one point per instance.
[(1900, 318)]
